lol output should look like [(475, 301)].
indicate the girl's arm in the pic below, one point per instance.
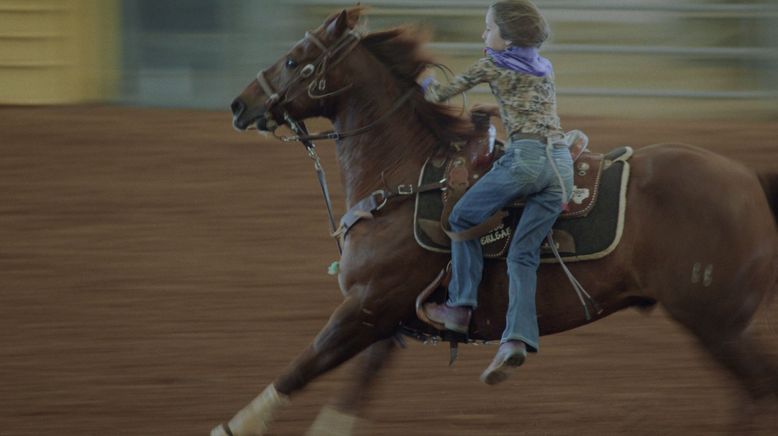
[(491, 109), (482, 71)]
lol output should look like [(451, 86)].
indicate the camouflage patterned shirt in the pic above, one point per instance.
[(527, 103)]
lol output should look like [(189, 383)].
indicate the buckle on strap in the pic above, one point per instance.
[(405, 190)]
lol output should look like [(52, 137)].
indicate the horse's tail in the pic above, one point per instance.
[(769, 183)]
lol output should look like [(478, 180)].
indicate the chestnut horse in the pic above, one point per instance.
[(687, 207)]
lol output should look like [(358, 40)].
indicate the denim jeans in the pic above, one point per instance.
[(524, 170)]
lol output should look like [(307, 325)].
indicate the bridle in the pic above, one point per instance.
[(317, 89), (315, 70)]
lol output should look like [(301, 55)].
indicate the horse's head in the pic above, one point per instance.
[(299, 82)]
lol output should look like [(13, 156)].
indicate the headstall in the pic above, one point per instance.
[(315, 71)]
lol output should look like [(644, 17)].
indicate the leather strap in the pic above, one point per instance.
[(366, 207), (518, 136), (272, 97), (316, 41), (479, 230), (337, 136), (363, 209)]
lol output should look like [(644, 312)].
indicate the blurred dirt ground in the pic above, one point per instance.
[(158, 269)]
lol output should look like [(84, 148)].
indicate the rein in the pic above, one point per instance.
[(336, 136), (310, 147)]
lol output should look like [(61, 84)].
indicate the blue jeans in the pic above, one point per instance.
[(524, 170)]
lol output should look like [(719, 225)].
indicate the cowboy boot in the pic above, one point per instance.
[(452, 318), (511, 354)]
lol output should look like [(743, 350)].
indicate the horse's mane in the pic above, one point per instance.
[(400, 51)]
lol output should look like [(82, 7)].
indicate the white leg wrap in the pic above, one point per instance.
[(253, 420), (331, 422)]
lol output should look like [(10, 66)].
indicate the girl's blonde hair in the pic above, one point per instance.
[(520, 22)]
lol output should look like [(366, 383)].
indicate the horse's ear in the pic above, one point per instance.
[(339, 25)]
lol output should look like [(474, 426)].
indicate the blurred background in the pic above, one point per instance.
[(653, 58)]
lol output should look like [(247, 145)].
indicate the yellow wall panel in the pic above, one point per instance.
[(58, 51), (33, 5), (30, 50), (33, 86), (13, 23)]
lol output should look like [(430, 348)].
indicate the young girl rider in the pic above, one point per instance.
[(532, 167)]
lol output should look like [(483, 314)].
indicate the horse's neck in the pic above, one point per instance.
[(391, 153)]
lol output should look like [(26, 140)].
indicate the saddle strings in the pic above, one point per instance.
[(577, 286)]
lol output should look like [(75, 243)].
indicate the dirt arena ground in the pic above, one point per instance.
[(158, 269)]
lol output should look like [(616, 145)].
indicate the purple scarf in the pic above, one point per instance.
[(521, 59)]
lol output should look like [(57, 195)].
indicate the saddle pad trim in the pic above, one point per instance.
[(619, 224)]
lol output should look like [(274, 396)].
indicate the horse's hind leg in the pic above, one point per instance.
[(349, 331), (341, 417), (757, 374), (744, 358), (734, 347)]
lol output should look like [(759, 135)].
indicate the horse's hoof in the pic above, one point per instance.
[(332, 422)]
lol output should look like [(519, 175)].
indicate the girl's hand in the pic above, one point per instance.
[(426, 82), (491, 109)]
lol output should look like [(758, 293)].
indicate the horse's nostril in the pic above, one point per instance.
[(237, 107)]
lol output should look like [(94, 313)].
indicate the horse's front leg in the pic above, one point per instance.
[(351, 329), (340, 417)]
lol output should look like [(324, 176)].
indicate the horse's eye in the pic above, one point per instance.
[(290, 63)]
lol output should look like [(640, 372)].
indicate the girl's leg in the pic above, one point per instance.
[(490, 194), (539, 215)]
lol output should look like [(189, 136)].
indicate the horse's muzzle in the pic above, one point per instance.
[(238, 108), (242, 118)]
